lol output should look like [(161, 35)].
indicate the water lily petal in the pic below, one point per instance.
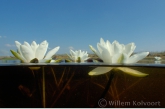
[(117, 47), (78, 53), (121, 58), (131, 71), (17, 55), (129, 48), (27, 44), (110, 48), (70, 57), (115, 58), (102, 42), (99, 47), (84, 57), (126, 58), (18, 46), (100, 70), (82, 53), (41, 50), (136, 57), (72, 53), (52, 61), (106, 56), (34, 46), (97, 53), (27, 52), (51, 53), (93, 49)]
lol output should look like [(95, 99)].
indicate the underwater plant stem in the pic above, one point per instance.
[(111, 76), (62, 90), (43, 89), (61, 77), (54, 75)]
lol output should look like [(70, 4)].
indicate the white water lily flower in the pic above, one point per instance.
[(78, 56), (117, 53), (157, 58), (27, 52)]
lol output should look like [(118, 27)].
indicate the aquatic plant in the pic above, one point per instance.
[(117, 53), (157, 58), (34, 53), (78, 56), (114, 53)]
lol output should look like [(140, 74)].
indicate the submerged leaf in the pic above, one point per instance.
[(100, 70), (48, 61), (131, 71)]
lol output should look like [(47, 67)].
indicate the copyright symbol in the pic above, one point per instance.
[(102, 102)]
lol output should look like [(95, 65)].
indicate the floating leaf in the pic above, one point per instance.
[(48, 61), (67, 60), (58, 61)]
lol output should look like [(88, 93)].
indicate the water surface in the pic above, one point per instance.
[(69, 85)]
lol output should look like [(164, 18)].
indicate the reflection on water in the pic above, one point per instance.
[(152, 61), (158, 62), (69, 85)]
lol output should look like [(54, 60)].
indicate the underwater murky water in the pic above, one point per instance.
[(69, 85)]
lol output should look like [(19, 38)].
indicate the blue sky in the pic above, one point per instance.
[(79, 23)]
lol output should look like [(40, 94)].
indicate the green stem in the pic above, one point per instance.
[(111, 76)]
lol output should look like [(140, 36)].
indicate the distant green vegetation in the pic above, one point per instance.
[(8, 58)]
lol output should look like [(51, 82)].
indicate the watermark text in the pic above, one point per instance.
[(117, 103)]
